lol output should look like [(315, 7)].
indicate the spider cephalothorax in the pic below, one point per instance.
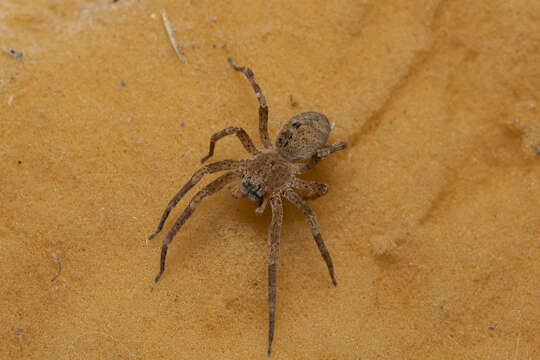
[(267, 175)]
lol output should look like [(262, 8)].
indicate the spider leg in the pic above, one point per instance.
[(273, 234), (197, 176), (315, 229), (208, 190), (242, 135), (263, 106), (314, 189), (319, 155)]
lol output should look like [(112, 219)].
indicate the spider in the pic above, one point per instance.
[(265, 177)]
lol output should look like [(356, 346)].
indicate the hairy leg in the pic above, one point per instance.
[(207, 169), (319, 155), (263, 106), (242, 135), (274, 233), (312, 188), (315, 229), (208, 190)]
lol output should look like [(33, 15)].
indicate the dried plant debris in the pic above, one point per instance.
[(58, 269), (176, 46), (14, 53), (293, 102)]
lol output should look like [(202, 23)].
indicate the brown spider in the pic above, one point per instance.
[(267, 175)]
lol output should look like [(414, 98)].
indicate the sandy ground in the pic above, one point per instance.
[(433, 213)]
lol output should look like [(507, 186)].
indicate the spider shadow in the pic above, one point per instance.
[(222, 215), (218, 216)]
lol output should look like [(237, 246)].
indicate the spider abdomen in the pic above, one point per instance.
[(302, 135)]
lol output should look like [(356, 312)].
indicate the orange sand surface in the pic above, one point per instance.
[(433, 212)]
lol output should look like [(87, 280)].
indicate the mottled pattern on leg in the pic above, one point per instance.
[(315, 229), (208, 190), (263, 106), (319, 155), (312, 189), (197, 176), (238, 131), (273, 234)]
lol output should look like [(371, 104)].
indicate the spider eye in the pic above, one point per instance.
[(253, 190)]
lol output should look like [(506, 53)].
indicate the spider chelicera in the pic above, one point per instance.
[(265, 177)]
